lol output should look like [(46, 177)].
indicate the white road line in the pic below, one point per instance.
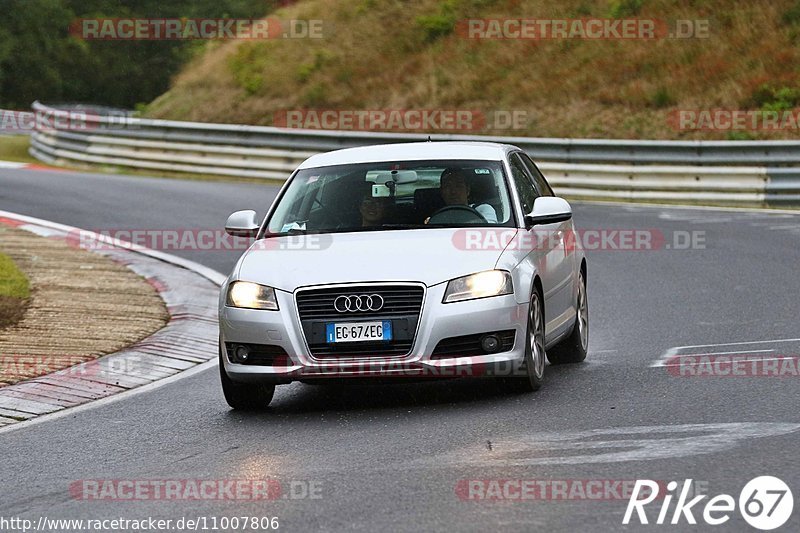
[(760, 210), (605, 445), (722, 353), (672, 352), (697, 363)]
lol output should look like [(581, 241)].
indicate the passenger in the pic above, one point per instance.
[(374, 210), (455, 190)]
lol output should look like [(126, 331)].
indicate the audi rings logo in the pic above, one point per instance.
[(358, 302)]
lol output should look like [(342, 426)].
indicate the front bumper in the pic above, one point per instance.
[(437, 321)]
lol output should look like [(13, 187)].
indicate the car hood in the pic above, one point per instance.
[(429, 256)]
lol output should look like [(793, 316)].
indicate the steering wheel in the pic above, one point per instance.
[(456, 214)]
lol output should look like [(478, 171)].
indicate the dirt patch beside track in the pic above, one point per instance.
[(82, 305)]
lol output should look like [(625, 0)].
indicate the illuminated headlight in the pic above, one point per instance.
[(480, 285), (251, 296)]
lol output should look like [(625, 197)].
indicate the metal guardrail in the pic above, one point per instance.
[(754, 172)]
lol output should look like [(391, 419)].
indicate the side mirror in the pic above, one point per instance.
[(242, 224), (548, 210)]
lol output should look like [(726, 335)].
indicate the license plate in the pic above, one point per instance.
[(359, 331)]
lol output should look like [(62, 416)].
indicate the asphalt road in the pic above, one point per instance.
[(395, 457)]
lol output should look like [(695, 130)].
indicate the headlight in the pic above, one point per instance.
[(251, 296), (480, 285)]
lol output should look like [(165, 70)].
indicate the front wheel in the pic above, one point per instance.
[(533, 364), (244, 396), (573, 349)]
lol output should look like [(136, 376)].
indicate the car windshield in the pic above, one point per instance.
[(394, 195)]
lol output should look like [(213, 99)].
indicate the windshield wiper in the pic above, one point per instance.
[(293, 231)]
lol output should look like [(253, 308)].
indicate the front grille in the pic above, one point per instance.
[(260, 354), (470, 345), (401, 305), (317, 304)]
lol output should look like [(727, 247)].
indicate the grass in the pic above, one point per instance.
[(392, 54), (13, 282), (15, 148), (14, 292)]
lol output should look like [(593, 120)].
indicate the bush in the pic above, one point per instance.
[(436, 26), (662, 98), (792, 16), (247, 68), (625, 8), (315, 96), (305, 70), (444, 22), (768, 98), (740, 136)]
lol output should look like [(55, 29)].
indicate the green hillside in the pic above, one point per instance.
[(400, 55)]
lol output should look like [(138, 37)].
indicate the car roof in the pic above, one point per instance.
[(417, 151)]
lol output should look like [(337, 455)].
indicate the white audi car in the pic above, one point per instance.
[(434, 259)]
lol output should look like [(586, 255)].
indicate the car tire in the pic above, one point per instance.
[(532, 368), (573, 349), (244, 396)]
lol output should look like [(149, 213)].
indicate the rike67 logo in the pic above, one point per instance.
[(765, 503)]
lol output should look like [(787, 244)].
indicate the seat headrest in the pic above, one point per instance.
[(428, 200)]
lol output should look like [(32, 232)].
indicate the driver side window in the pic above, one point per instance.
[(525, 189), (541, 184)]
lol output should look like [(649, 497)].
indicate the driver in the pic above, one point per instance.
[(455, 190)]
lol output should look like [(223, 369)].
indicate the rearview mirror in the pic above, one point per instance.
[(242, 224), (548, 210), (397, 176)]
